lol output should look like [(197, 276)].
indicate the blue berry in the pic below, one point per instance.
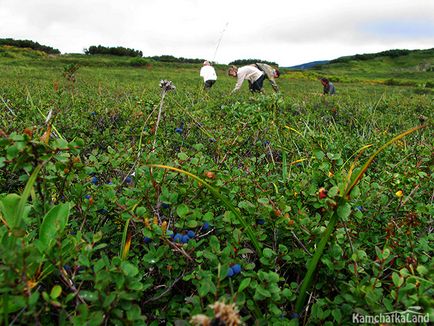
[(294, 315), (67, 268), (94, 180), (165, 205), (128, 179), (178, 130), (236, 268), (147, 240), (230, 272), (260, 221), (185, 239), (205, 226), (212, 140), (87, 196), (177, 237), (190, 234)]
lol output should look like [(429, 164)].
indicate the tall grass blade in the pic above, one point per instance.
[(125, 247), (307, 281), (372, 157), (25, 195), (224, 200), (284, 167)]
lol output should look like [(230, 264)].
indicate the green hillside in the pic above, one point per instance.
[(413, 69)]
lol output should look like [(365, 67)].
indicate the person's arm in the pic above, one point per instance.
[(240, 79), (274, 85)]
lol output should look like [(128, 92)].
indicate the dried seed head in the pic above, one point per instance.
[(200, 320), (228, 313), (167, 85)]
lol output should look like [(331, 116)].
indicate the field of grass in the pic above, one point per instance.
[(413, 69), (133, 205)]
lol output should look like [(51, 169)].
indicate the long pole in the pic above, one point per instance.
[(219, 41)]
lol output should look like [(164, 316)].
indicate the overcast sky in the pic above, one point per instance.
[(284, 31)]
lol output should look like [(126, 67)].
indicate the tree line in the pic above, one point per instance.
[(28, 44), (243, 62)]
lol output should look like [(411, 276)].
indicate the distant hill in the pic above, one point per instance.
[(392, 67), (309, 65)]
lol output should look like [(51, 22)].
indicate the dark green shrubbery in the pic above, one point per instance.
[(28, 44), (118, 51)]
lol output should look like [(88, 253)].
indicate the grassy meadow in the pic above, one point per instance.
[(132, 205)]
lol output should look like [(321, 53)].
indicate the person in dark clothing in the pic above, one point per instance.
[(329, 88), (270, 73)]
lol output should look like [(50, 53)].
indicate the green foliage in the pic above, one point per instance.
[(171, 58), (118, 51), (243, 62), (368, 56), (106, 236), (28, 44)]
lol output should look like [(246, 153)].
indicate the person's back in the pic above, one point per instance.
[(270, 73), (332, 89), (207, 72), (247, 72)]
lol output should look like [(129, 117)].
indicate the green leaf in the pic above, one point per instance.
[(263, 292), (344, 211), (54, 223), (397, 279), (129, 269), (337, 315), (182, 156), (182, 210), (268, 253), (244, 284), (204, 288), (333, 191), (56, 291), (89, 296), (8, 207)]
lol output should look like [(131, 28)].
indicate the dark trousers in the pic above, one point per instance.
[(257, 85), (208, 84)]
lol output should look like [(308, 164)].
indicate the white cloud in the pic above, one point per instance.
[(287, 32)]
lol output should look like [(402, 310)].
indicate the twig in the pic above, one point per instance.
[(300, 243), (7, 106), (164, 292)]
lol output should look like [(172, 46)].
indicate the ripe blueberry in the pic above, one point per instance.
[(236, 268), (190, 234)]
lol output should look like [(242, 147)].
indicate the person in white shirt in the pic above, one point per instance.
[(209, 75), (254, 76)]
